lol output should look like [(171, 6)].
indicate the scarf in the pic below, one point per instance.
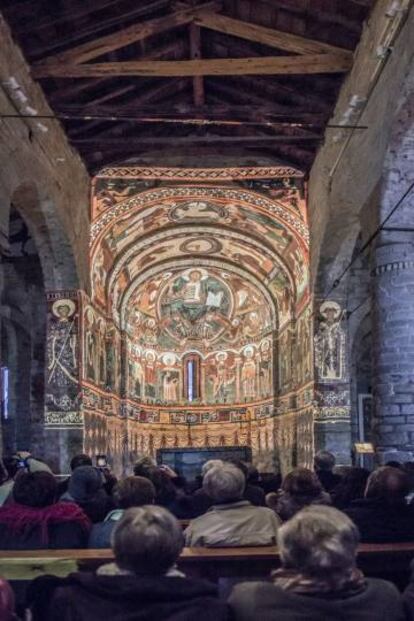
[(325, 587), (18, 519)]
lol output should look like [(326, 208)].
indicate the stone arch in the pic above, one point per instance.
[(55, 251)]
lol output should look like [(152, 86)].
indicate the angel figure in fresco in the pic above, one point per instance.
[(330, 342), (62, 365)]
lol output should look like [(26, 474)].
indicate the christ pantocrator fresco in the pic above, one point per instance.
[(195, 306)]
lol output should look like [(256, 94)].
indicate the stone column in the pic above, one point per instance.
[(393, 343)]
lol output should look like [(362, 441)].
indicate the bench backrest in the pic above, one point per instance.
[(380, 560)]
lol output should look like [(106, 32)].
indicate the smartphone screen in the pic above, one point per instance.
[(101, 461)]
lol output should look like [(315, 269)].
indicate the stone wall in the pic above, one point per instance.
[(44, 180)]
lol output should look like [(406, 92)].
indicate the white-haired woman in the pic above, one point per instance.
[(142, 584), (318, 579)]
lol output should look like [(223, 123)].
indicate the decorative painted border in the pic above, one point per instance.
[(205, 174), (247, 197), (63, 419)]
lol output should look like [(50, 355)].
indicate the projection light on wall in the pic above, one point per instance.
[(396, 6), (356, 103)]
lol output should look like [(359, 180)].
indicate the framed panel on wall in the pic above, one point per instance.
[(188, 462)]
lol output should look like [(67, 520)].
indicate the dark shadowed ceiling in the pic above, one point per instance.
[(233, 83)]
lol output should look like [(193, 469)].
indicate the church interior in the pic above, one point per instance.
[(207, 310), (198, 249)]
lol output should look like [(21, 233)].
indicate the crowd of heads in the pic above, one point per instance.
[(316, 527)]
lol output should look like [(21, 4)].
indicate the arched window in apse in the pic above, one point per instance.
[(192, 377)]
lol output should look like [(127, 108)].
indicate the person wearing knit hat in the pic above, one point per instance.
[(86, 490)]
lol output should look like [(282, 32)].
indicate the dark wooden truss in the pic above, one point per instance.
[(234, 79)]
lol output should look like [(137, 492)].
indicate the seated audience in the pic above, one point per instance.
[(142, 585), (7, 602), (201, 501), (383, 514), (351, 487), (85, 488), (318, 579), (131, 492), (231, 521), (324, 463), (252, 491), (10, 468), (300, 488), (160, 477), (76, 462), (35, 521)]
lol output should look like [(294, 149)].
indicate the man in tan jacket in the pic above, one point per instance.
[(231, 521)]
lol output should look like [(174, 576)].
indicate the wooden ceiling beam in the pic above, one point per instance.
[(219, 111), (195, 53), (267, 36), (67, 15), (283, 94), (132, 34), (196, 139), (157, 93), (278, 65), (98, 26)]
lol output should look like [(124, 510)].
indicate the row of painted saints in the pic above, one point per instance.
[(225, 376), (102, 352)]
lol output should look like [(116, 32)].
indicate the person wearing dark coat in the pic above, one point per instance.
[(142, 585), (34, 521), (318, 580), (300, 488), (352, 487), (383, 515), (324, 463), (77, 461), (85, 488), (130, 492)]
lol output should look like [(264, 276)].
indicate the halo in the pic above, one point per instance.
[(150, 355), (64, 302), (330, 305), (169, 359), (221, 356), (248, 351), (186, 274), (265, 345), (90, 316)]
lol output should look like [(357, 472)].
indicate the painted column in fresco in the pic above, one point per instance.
[(332, 415), (63, 405)]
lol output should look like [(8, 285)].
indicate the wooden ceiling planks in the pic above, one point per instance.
[(215, 39)]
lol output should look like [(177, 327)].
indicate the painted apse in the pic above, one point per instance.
[(198, 330)]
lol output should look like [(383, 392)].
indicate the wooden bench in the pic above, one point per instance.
[(390, 561)]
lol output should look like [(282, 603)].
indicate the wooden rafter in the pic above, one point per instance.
[(269, 65), (132, 34), (266, 36), (154, 94), (195, 139), (195, 54), (170, 111), (67, 15)]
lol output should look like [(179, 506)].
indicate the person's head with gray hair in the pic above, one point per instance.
[(209, 465), (320, 543), (324, 460), (224, 483), (147, 540)]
